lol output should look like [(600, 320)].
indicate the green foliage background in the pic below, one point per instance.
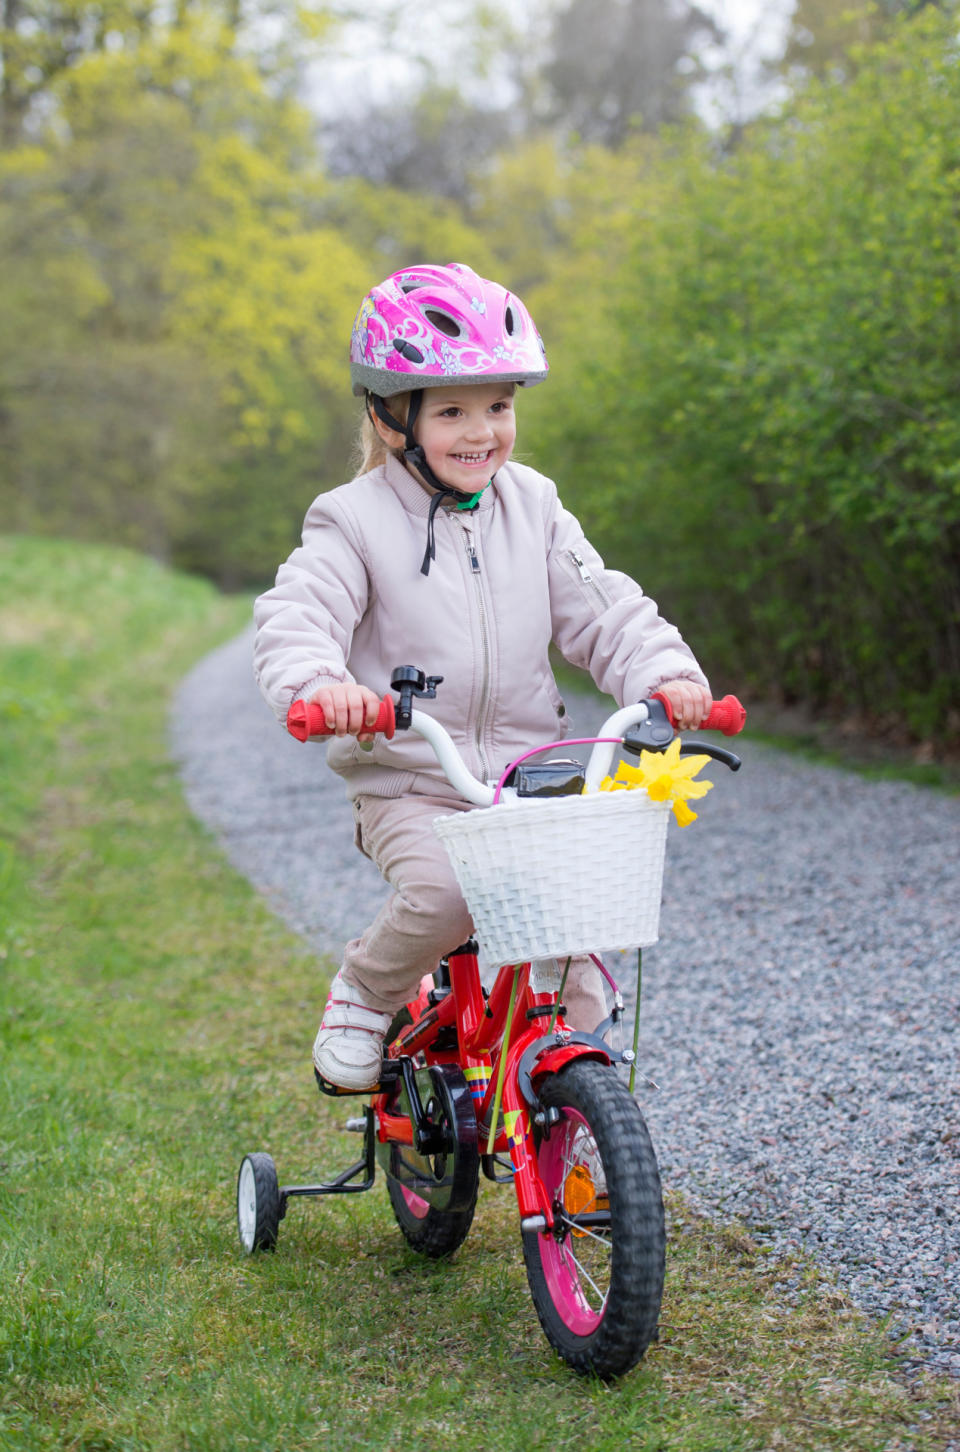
[(759, 387), (754, 345)]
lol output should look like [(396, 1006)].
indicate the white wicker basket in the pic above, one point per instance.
[(547, 878)]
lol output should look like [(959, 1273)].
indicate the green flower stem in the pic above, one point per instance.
[(501, 1067), (556, 1006), (636, 1019)]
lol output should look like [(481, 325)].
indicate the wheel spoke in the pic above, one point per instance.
[(584, 1230), (582, 1274)]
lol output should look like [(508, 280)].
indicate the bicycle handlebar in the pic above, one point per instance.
[(306, 719)]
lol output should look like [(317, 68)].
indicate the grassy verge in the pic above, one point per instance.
[(870, 758), (154, 1020)]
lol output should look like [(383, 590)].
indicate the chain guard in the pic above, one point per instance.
[(447, 1179)]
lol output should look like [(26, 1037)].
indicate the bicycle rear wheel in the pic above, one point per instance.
[(597, 1277), (432, 1233), (434, 1195)]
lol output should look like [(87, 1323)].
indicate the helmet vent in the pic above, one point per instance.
[(411, 286), (408, 350), (443, 322), (510, 322)]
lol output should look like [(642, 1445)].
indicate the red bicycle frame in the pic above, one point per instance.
[(483, 1026)]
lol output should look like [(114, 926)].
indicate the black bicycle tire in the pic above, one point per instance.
[(435, 1235), (438, 1233), (638, 1239), (268, 1207)]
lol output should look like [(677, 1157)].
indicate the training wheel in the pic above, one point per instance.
[(258, 1203)]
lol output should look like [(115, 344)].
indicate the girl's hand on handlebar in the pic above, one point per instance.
[(689, 703), (350, 710)]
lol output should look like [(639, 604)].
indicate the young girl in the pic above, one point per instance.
[(445, 554)]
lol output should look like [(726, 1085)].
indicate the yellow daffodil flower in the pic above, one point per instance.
[(665, 777)]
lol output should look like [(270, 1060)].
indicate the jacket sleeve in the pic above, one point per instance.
[(305, 624), (602, 620)]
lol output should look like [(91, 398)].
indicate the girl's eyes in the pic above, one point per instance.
[(503, 406)]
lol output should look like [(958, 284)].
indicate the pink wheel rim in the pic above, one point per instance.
[(579, 1298), (416, 1206)]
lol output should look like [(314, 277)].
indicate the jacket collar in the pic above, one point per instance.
[(412, 495)]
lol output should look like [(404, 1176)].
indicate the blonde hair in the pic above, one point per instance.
[(372, 450)]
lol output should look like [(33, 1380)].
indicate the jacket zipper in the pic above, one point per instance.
[(592, 585), (476, 574)]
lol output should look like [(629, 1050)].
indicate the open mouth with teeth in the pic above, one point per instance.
[(473, 458)]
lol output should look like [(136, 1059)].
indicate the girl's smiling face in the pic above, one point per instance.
[(467, 432)]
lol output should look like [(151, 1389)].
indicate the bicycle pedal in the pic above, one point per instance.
[(389, 1075)]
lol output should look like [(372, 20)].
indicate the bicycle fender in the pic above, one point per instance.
[(546, 1056)]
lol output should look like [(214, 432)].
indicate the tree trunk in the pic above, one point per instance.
[(11, 102)]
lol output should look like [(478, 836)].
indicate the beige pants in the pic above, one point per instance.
[(426, 917)]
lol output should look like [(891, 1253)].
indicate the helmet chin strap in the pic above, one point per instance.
[(415, 458)]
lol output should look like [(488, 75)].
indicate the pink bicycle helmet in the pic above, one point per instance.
[(430, 325)]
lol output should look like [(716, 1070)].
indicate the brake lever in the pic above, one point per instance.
[(654, 734), (657, 732), (707, 748)]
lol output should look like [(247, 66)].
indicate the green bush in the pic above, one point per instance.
[(775, 445)]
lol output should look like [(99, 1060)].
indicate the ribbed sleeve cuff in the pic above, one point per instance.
[(307, 690)]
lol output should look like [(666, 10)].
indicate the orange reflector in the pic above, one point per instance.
[(579, 1193)]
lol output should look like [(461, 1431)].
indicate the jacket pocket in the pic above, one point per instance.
[(592, 589), (358, 828), (557, 703)]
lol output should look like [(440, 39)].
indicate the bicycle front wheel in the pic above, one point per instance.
[(597, 1277)]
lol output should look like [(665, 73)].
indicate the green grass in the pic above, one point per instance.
[(156, 1025)]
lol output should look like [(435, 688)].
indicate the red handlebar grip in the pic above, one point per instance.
[(726, 715), (306, 719)]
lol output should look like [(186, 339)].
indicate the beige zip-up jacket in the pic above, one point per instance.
[(509, 578)]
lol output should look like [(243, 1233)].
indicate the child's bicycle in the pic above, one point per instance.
[(492, 1081)]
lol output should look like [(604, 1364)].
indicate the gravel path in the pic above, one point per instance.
[(807, 1067)]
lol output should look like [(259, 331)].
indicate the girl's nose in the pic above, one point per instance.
[(479, 427)]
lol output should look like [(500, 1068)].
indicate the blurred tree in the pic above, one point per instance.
[(178, 280), (589, 70), (430, 143), (545, 205), (394, 228), (617, 66), (823, 33), (175, 317), (41, 39), (756, 409), (106, 428)]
